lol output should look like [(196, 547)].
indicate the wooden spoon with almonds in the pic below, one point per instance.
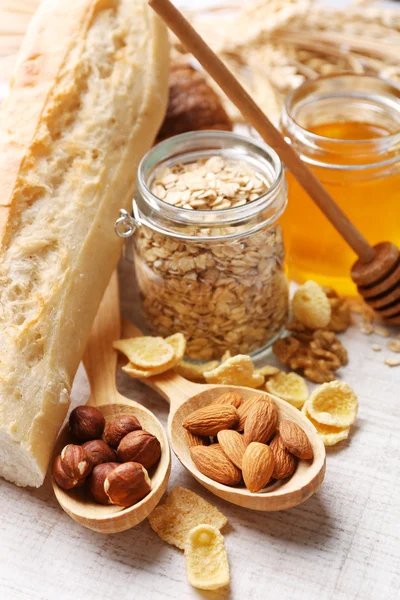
[(185, 397), (100, 361)]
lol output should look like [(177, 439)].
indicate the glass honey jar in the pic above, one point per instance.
[(347, 129)]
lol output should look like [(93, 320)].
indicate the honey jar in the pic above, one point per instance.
[(347, 129)]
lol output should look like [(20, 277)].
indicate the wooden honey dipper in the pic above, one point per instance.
[(377, 270)]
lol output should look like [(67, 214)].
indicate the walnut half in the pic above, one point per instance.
[(319, 354)]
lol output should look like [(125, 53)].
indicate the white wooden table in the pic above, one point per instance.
[(342, 544)]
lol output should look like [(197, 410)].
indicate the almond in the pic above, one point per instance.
[(295, 439), (232, 443), (261, 422), (211, 419), (233, 398), (284, 461), (196, 440), (212, 462), (258, 466), (245, 408)]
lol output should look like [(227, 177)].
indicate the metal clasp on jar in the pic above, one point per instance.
[(125, 225)]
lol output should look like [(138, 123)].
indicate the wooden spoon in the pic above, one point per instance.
[(100, 362), (377, 270), (185, 397)]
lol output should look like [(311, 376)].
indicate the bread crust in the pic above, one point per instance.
[(87, 98)]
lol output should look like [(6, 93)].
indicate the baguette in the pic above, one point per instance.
[(86, 100)]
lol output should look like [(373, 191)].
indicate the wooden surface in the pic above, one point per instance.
[(342, 544)]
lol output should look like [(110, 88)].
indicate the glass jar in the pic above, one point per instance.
[(347, 129), (217, 276)]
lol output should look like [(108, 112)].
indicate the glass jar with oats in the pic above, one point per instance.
[(208, 249)]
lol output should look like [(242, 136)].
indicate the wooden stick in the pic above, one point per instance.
[(254, 115)]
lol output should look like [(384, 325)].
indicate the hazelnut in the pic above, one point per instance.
[(127, 484), (86, 423), (61, 478), (141, 447), (99, 452), (118, 427), (97, 479), (75, 461)]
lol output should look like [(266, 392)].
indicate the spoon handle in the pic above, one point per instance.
[(171, 386), (100, 359)]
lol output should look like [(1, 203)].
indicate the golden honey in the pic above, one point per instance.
[(356, 156)]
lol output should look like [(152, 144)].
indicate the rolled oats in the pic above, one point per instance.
[(230, 295), (224, 295), (213, 183)]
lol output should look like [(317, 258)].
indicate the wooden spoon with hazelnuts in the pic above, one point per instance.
[(112, 461)]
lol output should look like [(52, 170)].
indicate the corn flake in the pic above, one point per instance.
[(267, 371), (206, 558), (195, 372), (138, 373), (290, 387), (310, 306), (329, 434), (146, 352), (333, 403), (225, 356), (183, 510), (238, 370), (178, 345)]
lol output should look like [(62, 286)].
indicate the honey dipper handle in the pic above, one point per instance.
[(100, 359), (254, 115)]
